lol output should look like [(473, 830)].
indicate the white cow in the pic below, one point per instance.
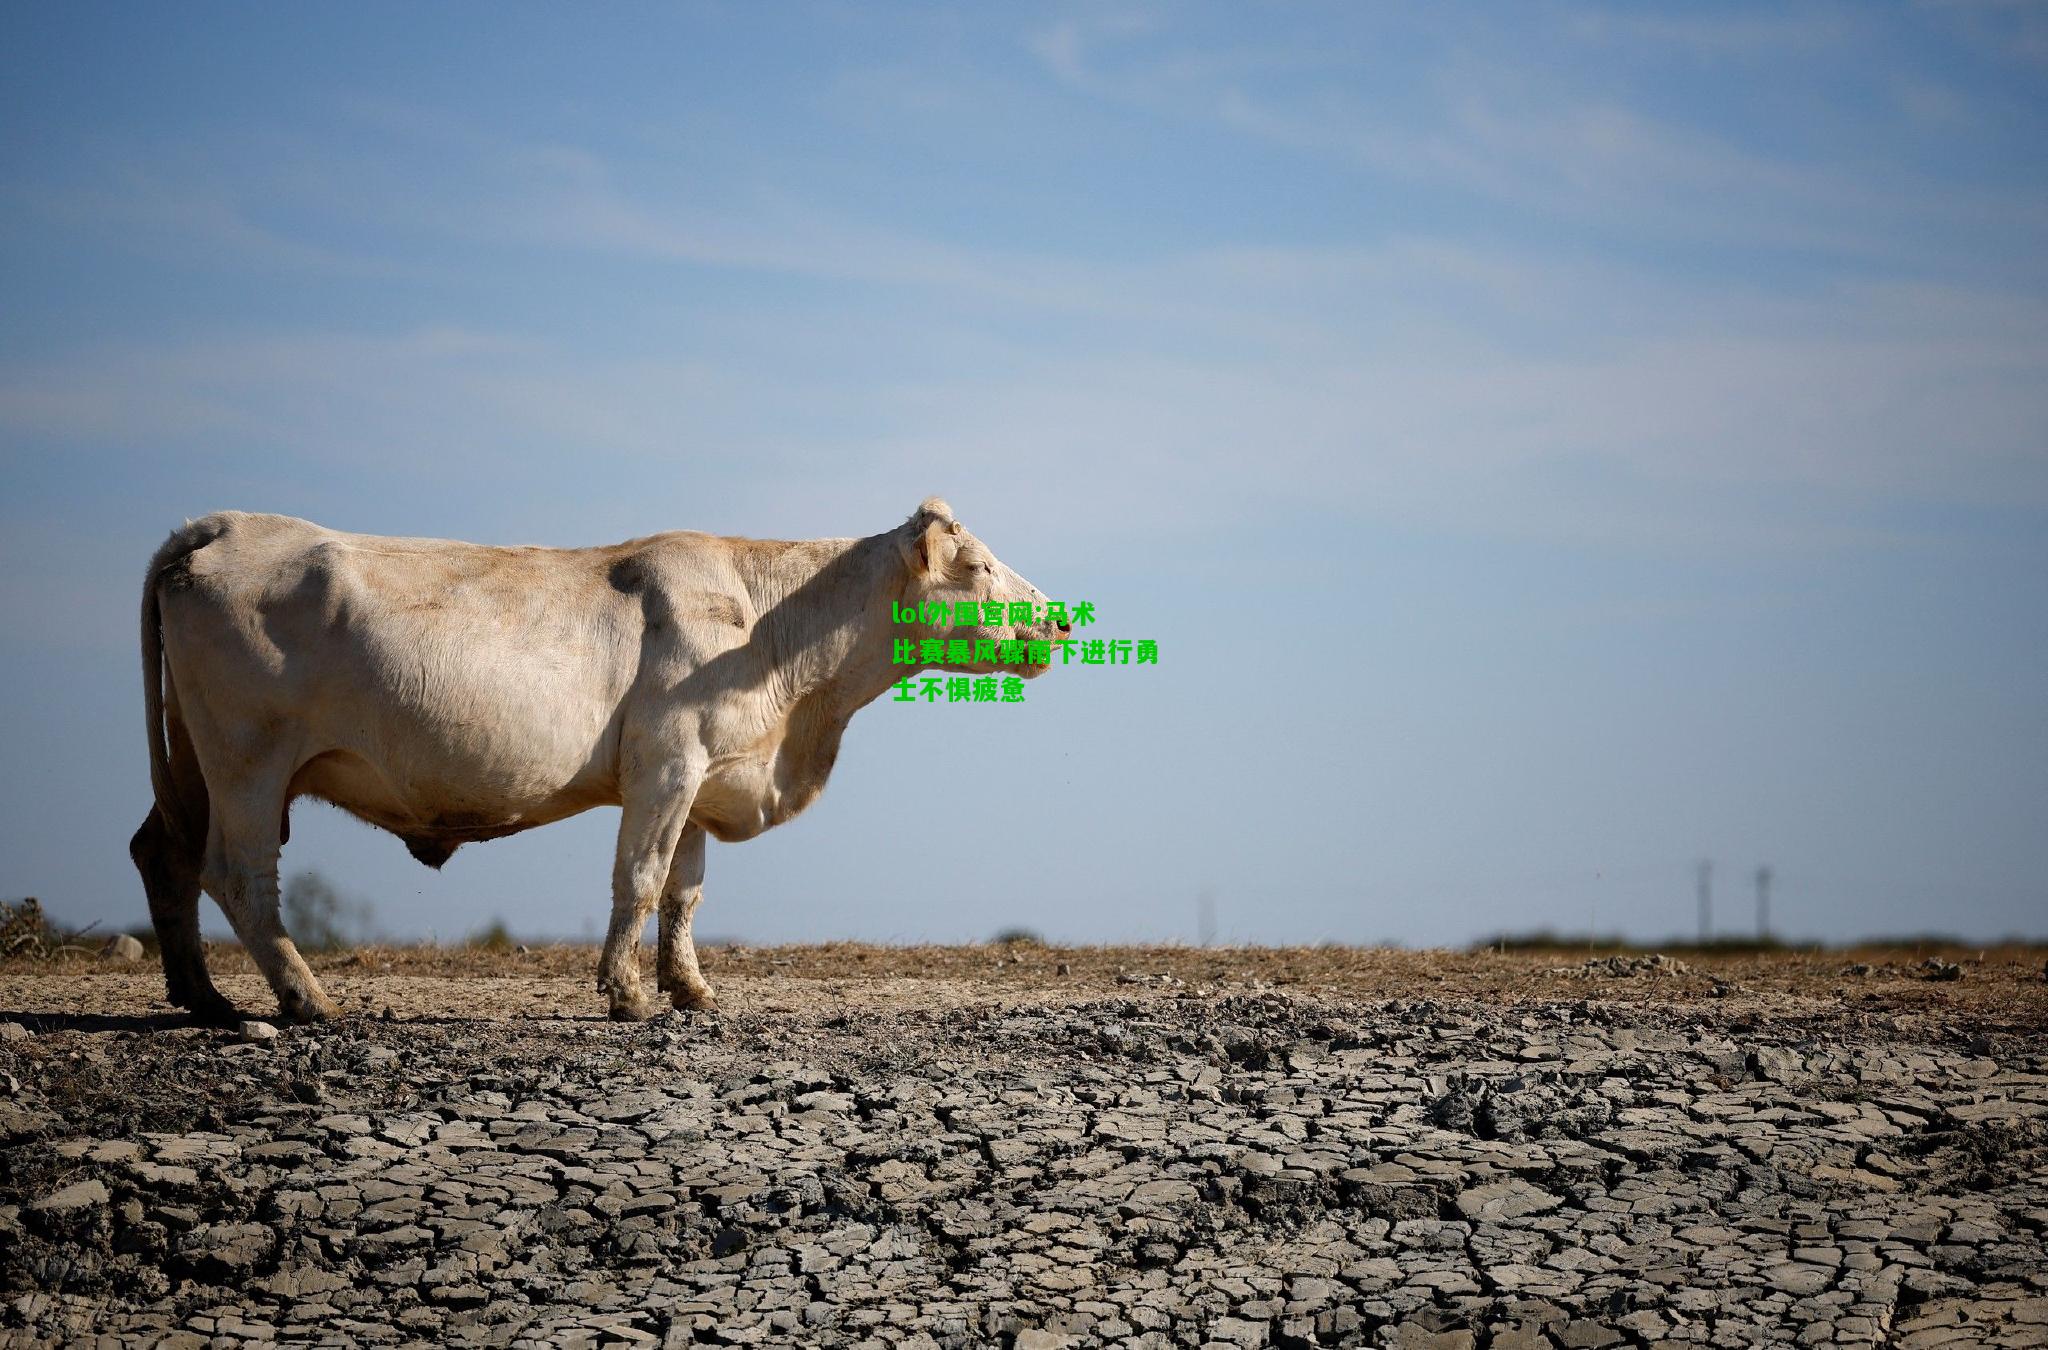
[(452, 692)]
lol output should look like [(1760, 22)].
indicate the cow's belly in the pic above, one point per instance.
[(468, 753), (444, 803)]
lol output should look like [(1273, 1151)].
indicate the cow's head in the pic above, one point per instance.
[(948, 566)]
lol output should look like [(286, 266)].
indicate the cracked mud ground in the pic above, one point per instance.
[(959, 1147)]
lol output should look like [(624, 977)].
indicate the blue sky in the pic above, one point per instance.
[(1550, 445)]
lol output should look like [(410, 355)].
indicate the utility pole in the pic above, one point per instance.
[(1706, 897), (1205, 917), (1763, 903)]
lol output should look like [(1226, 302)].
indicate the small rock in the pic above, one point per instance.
[(1624, 967), (14, 1031), (1796, 1278), (1511, 1199), (82, 1195), (121, 947), (1035, 1339), (1934, 968), (1774, 1064), (257, 1031)]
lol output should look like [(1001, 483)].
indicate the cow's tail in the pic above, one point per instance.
[(170, 561)]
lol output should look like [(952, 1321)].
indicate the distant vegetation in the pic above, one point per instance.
[(320, 919), (494, 938), (27, 932), (1545, 940)]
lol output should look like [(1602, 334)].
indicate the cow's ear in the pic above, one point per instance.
[(929, 546)]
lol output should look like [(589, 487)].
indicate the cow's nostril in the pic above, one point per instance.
[(1066, 628)]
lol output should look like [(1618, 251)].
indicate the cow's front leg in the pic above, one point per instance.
[(675, 969), (649, 827)]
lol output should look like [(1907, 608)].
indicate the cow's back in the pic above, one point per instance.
[(419, 682)]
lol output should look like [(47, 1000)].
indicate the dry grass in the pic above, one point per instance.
[(2002, 981)]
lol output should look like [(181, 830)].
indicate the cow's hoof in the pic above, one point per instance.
[(209, 1009), (693, 1000), (306, 1009), (637, 1008)]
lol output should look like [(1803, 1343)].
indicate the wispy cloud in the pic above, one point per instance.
[(1515, 132), (1662, 443), (1462, 380), (2016, 30), (187, 219), (1713, 36)]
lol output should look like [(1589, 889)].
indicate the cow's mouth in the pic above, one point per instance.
[(1031, 670)]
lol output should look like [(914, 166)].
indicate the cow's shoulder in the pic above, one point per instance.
[(683, 580)]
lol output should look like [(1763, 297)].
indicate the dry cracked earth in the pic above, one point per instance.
[(973, 1147)]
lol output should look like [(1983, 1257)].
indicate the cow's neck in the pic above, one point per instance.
[(823, 608)]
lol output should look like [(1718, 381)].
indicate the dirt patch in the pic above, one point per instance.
[(1035, 1146)]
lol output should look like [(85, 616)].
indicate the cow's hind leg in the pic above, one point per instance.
[(675, 969), (650, 826), (241, 873), (170, 876)]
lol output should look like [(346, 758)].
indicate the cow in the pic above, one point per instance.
[(451, 693)]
